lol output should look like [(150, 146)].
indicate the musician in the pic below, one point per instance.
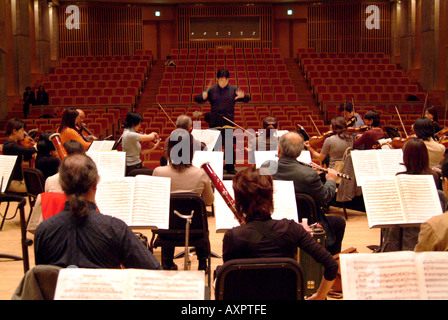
[(353, 119), (335, 145), (47, 160), (222, 97), (82, 236), (15, 133), (306, 180), (424, 130), (369, 138), (254, 199), (266, 140), (131, 142), (431, 113), (79, 125), (416, 161), (184, 178), (433, 234), (68, 129)]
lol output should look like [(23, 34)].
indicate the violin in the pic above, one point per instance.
[(360, 129), (442, 134), (318, 141)]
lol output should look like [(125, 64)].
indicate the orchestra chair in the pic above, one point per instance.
[(260, 279), (38, 283), (35, 182), (21, 202), (306, 208), (184, 204)]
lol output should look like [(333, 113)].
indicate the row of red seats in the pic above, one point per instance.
[(355, 74), (392, 81), (357, 55), (367, 97), (93, 91), (91, 84), (94, 77), (105, 64), (408, 89), (80, 101), (99, 70), (195, 90), (138, 56), (349, 67)]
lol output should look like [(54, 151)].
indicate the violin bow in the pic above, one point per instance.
[(446, 107), (424, 106), (160, 107), (404, 129), (318, 132), (239, 126)]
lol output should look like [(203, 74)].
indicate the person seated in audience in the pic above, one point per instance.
[(335, 145), (416, 161), (266, 140), (47, 160), (132, 139), (15, 133), (431, 113), (424, 130), (369, 138), (169, 62), (307, 180), (184, 178), (433, 234), (42, 97), (353, 119), (254, 199), (82, 236), (68, 130), (28, 100)]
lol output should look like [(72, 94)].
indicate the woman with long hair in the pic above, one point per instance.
[(67, 128), (184, 178), (424, 130), (47, 160), (254, 193), (335, 145)]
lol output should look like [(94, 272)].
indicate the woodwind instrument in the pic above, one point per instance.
[(57, 142), (317, 167), (223, 192)]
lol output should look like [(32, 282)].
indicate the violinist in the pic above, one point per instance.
[(47, 160), (369, 138), (15, 133), (68, 129), (431, 113), (81, 127), (132, 139), (335, 145), (424, 130), (353, 119), (266, 140)]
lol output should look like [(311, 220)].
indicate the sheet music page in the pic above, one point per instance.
[(214, 158), (110, 164), (208, 136), (382, 201), (114, 197), (101, 145), (151, 202), (420, 198), (263, 156), (129, 284), (433, 267), (167, 285), (371, 163), (7, 163), (91, 284), (284, 205), (305, 156), (380, 276)]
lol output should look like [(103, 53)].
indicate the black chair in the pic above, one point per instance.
[(184, 203), (35, 185), (21, 202), (306, 208), (260, 279)]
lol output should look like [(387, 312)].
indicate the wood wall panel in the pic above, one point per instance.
[(342, 28), (103, 31)]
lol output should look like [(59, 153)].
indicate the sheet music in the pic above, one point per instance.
[(400, 200), (7, 163), (395, 275), (110, 164), (208, 136), (379, 276), (215, 159), (101, 145), (129, 284), (263, 156), (114, 197), (381, 162), (151, 201), (284, 205)]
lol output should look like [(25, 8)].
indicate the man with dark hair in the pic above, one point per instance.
[(353, 119), (266, 140), (80, 235), (369, 138), (222, 97)]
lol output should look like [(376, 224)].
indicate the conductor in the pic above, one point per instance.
[(222, 97)]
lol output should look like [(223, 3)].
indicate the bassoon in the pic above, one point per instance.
[(57, 142)]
